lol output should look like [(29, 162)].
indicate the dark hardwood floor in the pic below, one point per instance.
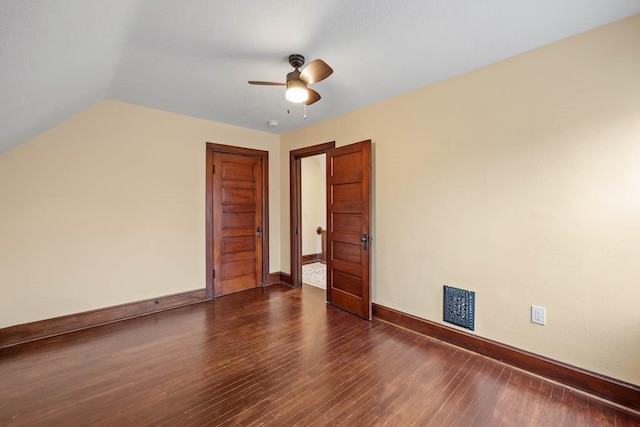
[(277, 356)]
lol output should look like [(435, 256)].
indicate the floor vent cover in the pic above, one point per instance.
[(459, 307)]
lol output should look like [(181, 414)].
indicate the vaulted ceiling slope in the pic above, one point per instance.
[(195, 57)]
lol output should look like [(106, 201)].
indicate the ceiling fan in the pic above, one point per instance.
[(298, 82)]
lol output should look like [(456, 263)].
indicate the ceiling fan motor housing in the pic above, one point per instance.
[(296, 60)]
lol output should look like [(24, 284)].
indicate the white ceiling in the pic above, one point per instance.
[(194, 57)]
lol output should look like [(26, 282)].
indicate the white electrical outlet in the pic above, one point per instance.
[(538, 315)]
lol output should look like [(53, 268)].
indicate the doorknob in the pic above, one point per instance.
[(258, 231), (365, 241)]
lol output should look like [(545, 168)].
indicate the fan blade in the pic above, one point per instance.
[(253, 82), (316, 71), (313, 97)]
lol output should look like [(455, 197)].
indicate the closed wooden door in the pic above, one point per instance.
[(348, 228), (237, 222)]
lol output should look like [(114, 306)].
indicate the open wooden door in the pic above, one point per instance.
[(348, 227)]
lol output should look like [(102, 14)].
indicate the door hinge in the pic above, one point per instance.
[(214, 274), (214, 169)]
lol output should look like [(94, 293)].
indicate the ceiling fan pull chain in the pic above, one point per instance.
[(305, 111)]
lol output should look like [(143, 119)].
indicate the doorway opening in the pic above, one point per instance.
[(313, 227), (296, 206)]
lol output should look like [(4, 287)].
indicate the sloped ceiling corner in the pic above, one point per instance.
[(194, 58)]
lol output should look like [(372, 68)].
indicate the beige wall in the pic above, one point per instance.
[(108, 208), (314, 208), (520, 181)]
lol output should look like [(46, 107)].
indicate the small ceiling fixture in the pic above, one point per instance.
[(298, 82)]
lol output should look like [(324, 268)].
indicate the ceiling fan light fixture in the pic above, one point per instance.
[(296, 91), (297, 82)]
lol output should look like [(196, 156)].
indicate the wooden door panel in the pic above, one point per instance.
[(347, 283), (238, 232), (237, 218), (347, 252), (239, 284), (347, 267), (237, 256), (353, 238), (349, 208), (236, 183), (235, 269), (347, 193), (238, 244), (238, 196), (348, 223), (236, 208), (244, 220), (347, 301), (241, 171), (349, 167)]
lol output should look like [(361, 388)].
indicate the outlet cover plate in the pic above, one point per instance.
[(538, 315)]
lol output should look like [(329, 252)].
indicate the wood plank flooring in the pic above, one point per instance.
[(274, 356)]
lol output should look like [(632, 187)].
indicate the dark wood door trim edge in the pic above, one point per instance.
[(295, 201), (611, 389), (32, 331), (264, 155)]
